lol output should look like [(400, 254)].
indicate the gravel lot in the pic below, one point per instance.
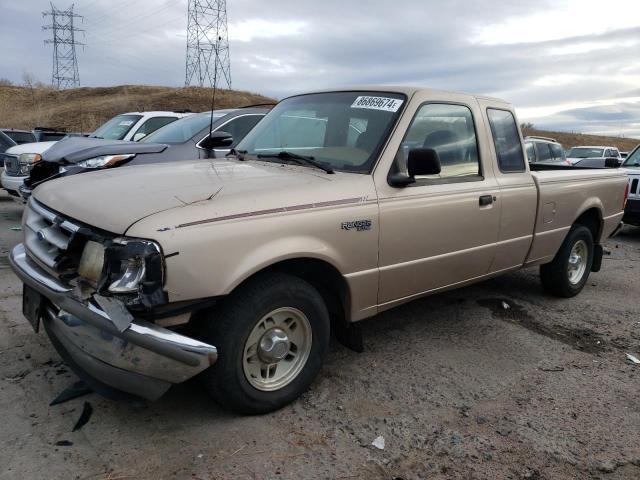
[(458, 386)]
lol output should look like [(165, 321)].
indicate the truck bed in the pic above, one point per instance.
[(565, 194)]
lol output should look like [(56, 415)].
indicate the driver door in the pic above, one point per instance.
[(443, 229)]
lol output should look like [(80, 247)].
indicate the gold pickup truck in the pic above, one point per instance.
[(338, 205)]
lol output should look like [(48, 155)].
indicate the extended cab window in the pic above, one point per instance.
[(506, 140), (449, 130)]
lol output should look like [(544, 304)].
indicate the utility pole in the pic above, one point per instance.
[(208, 59), (65, 64)]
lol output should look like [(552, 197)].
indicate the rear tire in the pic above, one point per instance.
[(272, 335), (567, 274)]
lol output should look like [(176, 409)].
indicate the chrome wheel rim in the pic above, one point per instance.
[(277, 349), (577, 261)]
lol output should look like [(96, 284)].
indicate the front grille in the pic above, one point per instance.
[(52, 241), (11, 165)]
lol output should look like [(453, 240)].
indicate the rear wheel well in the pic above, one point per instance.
[(593, 221)]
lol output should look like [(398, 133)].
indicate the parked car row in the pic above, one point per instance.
[(335, 206), (20, 159), (550, 151)]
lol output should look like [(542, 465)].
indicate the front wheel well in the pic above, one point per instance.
[(329, 282)]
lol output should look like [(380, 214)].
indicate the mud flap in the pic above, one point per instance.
[(598, 252), (349, 335)]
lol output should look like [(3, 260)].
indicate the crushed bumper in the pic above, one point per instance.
[(144, 360)]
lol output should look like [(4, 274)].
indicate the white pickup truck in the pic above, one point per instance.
[(338, 205)]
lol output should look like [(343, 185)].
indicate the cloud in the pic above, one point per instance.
[(545, 57), (256, 28)]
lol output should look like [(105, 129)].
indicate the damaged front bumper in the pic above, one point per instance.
[(144, 360)]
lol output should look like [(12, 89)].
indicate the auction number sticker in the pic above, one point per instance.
[(126, 123), (378, 103)]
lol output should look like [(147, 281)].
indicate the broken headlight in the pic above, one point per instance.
[(105, 161), (135, 270)]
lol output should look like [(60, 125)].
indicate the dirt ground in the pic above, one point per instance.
[(458, 386)]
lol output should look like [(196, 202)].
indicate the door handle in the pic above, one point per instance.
[(486, 200)]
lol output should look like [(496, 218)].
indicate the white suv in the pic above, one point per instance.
[(19, 160)]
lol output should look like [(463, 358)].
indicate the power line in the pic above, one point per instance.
[(208, 57), (65, 64)]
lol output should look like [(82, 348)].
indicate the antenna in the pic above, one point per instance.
[(207, 37), (65, 64)]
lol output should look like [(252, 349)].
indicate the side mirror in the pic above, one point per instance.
[(139, 136), (423, 161), (217, 140)]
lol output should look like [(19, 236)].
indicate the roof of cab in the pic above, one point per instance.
[(407, 90)]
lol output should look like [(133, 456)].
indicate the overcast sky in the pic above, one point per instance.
[(564, 64)]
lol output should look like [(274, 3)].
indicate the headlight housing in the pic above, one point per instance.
[(27, 161), (134, 268), (128, 268), (105, 161)]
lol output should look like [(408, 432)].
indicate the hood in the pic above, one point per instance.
[(115, 199), (34, 147), (77, 149)]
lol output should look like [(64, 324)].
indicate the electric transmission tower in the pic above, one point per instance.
[(65, 65), (208, 60)]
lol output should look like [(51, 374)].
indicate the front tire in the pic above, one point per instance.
[(272, 335), (567, 274)]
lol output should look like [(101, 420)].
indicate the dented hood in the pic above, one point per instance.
[(115, 199), (77, 149)]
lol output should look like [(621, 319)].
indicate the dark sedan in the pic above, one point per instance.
[(184, 139)]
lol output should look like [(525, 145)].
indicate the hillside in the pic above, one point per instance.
[(569, 140), (84, 109)]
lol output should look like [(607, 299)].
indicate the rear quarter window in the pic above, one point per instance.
[(506, 140)]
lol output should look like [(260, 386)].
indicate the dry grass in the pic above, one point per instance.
[(569, 140), (84, 109)]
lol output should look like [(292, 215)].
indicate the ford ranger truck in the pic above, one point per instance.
[(338, 205)]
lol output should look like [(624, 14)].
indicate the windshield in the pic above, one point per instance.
[(21, 137), (340, 130), (116, 128), (583, 152), (182, 130), (633, 160)]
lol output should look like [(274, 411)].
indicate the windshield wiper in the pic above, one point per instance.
[(301, 159)]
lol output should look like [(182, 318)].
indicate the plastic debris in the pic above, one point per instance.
[(87, 411), (505, 305), (378, 443), (632, 358), (76, 390), (15, 229)]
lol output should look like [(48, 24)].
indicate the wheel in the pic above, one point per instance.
[(567, 274), (272, 335)]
